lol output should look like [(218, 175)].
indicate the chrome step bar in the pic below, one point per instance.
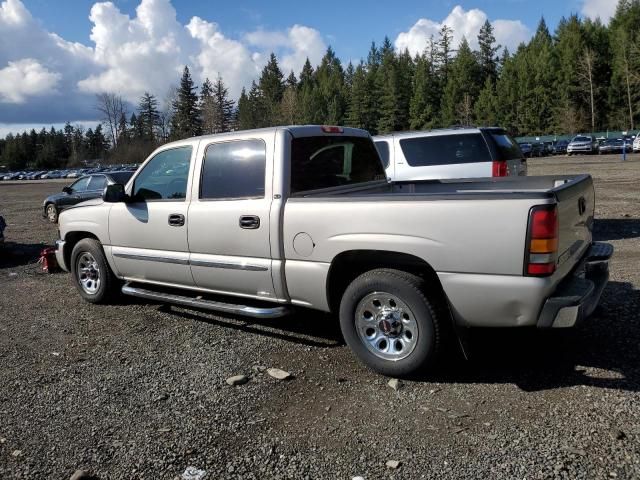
[(255, 312)]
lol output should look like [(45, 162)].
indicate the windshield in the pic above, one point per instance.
[(324, 162), (582, 139)]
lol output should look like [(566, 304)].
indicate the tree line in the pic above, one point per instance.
[(583, 77)]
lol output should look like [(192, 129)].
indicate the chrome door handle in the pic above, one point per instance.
[(176, 220), (250, 222)]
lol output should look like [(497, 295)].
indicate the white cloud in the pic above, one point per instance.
[(508, 33), (129, 55), (25, 78), (603, 9)]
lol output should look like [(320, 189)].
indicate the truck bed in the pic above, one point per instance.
[(549, 186)]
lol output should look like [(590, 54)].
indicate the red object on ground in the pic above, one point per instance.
[(48, 260)]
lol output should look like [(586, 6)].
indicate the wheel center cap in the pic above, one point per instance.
[(389, 323)]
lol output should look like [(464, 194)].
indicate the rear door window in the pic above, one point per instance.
[(80, 185), (234, 170), (97, 182), (445, 149)]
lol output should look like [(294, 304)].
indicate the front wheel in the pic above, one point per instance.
[(389, 323), (91, 273), (52, 213)]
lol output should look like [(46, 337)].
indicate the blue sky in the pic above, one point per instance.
[(56, 55), (350, 26)]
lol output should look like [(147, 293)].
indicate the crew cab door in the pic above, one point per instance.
[(148, 233), (229, 221)]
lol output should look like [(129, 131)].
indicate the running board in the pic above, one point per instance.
[(248, 311)]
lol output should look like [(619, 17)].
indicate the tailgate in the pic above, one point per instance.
[(576, 203)]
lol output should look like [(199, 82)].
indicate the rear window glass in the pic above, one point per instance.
[(121, 177), (445, 149), (383, 151), (324, 162), (506, 147)]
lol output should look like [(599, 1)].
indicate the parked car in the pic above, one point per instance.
[(12, 176), (450, 153), (85, 188), (548, 148), (3, 225), (560, 147), (537, 149), (304, 216), (582, 144), (526, 148), (615, 145), (34, 175)]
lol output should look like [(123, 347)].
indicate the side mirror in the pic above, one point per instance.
[(114, 193), (67, 190)]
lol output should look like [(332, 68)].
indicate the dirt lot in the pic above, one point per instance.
[(137, 390)]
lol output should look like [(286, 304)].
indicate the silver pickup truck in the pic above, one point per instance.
[(304, 217)]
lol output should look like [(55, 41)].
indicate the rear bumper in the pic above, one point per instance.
[(578, 295), (60, 255)]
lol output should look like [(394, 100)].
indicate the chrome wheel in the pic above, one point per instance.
[(52, 215), (88, 273), (386, 326)]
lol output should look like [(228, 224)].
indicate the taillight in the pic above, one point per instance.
[(332, 129), (542, 250), (499, 169)]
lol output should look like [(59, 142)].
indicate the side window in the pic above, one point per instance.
[(383, 151), (80, 185), (97, 182), (234, 170), (164, 177)]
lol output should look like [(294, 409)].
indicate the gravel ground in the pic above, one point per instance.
[(137, 390)]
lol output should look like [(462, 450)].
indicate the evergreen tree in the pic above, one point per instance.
[(207, 107), (271, 89), (444, 52), (487, 52), (223, 107), (329, 81), (461, 89), (244, 114), (186, 121), (423, 108), (148, 116), (486, 107)]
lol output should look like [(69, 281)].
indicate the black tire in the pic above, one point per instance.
[(105, 288), (52, 213), (408, 289)]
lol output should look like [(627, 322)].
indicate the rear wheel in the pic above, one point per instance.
[(52, 213), (389, 323), (91, 273)]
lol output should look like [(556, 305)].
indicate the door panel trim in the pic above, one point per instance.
[(151, 258), (230, 266)]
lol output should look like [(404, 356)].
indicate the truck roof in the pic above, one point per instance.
[(295, 130)]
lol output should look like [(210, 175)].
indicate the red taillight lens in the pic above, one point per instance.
[(499, 169), (332, 129), (542, 249), (544, 223)]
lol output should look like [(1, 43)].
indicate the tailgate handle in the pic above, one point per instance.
[(582, 206), (250, 222)]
